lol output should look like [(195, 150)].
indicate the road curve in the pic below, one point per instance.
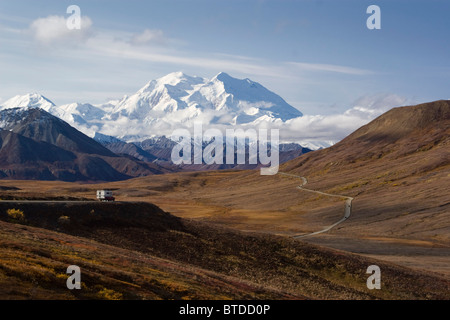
[(347, 211)]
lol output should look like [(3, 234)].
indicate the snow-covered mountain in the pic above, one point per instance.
[(31, 100), (173, 101), (181, 97)]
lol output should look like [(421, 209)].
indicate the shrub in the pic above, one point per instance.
[(64, 220), (109, 294), (16, 215)]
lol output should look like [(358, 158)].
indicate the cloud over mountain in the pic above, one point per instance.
[(169, 102), (222, 102)]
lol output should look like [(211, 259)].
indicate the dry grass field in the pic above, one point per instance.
[(137, 251), (239, 224)]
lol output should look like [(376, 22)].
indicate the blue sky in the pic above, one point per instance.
[(318, 55)]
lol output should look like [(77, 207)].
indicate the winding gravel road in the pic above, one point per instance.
[(347, 211)]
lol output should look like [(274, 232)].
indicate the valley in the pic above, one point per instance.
[(240, 224), (224, 159)]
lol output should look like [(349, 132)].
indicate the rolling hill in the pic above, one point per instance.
[(397, 169), (235, 226), (137, 251)]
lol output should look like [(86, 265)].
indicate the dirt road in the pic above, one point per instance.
[(347, 211)]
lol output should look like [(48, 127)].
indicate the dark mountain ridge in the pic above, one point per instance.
[(38, 145)]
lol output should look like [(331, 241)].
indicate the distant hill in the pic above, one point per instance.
[(397, 167), (40, 125), (38, 145), (159, 149), (421, 132)]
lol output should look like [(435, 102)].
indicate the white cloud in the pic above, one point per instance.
[(53, 29), (119, 49), (309, 130), (330, 68), (165, 51), (149, 37), (316, 128), (312, 128), (135, 48), (371, 106), (333, 128)]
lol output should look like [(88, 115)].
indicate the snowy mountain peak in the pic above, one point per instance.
[(169, 102), (229, 80), (85, 111), (30, 100), (181, 98), (222, 76), (250, 97), (173, 78), (177, 78)]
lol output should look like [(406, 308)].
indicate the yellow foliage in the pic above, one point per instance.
[(62, 276), (16, 214), (109, 294)]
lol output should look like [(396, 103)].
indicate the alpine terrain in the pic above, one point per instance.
[(139, 126), (167, 103), (37, 145)]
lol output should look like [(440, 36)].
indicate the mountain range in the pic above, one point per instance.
[(167, 103), (43, 141)]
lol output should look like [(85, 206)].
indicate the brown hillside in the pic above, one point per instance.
[(397, 133), (397, 168), (137, 251)]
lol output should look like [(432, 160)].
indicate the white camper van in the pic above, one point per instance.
[(105, 195)]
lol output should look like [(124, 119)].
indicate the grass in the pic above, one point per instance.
[(33, 264), (136, 251)]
